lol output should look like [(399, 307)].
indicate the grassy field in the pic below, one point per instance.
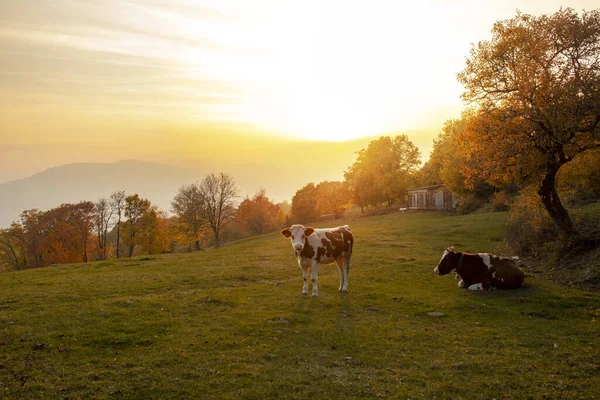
[(232, 323)]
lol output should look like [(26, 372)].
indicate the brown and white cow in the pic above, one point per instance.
[(481, 271), (321, 246)]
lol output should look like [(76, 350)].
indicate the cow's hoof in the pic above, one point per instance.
[(304, 293), (315, 295)]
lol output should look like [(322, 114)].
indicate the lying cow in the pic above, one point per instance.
[(481, 271), (321, 246)]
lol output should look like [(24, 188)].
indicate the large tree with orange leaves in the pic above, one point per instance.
[(536, 90)]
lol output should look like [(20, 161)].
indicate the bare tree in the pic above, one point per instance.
[(117, 204), (187, 205), (103, 219), (220, 194)]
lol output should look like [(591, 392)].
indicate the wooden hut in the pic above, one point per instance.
[(435, 197)]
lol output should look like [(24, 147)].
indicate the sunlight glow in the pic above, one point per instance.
[(332, 70)]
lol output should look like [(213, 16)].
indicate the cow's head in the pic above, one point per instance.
[(297, 234), (447, 262)]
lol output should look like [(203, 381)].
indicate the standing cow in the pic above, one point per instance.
[(481, 271), (321, 246)]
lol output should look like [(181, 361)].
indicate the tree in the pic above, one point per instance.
[(13, 253), (259, 215), (153, 238), (383, 171), (68, 229), (188, 205), (536, 89), (34, 232), (332, 198), (304, 204), (117, 204), (135, 210), (220, 194), (448, 162), (102, 221), (80, 217)]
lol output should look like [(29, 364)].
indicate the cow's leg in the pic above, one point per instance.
[(340, 264), (314, 269), (305, 276), (346, 272)]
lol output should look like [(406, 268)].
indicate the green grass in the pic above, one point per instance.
[(232, 323)]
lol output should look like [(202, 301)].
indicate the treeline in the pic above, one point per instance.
[(124, 225)]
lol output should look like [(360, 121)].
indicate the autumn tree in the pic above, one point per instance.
[(579, 181), (188, 205), (13, 253), (536, 88), (219, 208), (80, 217), (448, 162), (117, 204), (383, 171), (135, 210), (304, 207), (68, 229), (361, 185), (103, 221), (153, 234), (332, 198), (34, 232), (258, 215)]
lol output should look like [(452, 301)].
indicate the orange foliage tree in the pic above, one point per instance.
[(383, 171), (68, 233), (304, 207), (332, 198), (536, 89), (258, 215), (135, 210)]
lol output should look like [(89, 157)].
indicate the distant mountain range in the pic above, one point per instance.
[(281, 167), (72, 183)]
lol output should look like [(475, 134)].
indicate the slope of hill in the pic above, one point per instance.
[(90, 181), (231, 323)]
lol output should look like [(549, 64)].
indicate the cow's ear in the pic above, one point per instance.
[(450, 249), (309, 231), (286, 232)]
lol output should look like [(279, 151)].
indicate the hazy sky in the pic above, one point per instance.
[(135, 74)]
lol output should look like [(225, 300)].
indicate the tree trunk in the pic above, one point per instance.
[(217, 239), (118, 235), (198, 245), (552, 204)]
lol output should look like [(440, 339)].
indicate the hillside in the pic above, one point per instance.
[(89, 181), (231, 323), (250, 162)]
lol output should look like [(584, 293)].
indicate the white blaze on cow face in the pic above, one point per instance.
[(297, 234), (445, 264)]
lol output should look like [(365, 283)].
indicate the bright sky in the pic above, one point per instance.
[(87, 70)]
